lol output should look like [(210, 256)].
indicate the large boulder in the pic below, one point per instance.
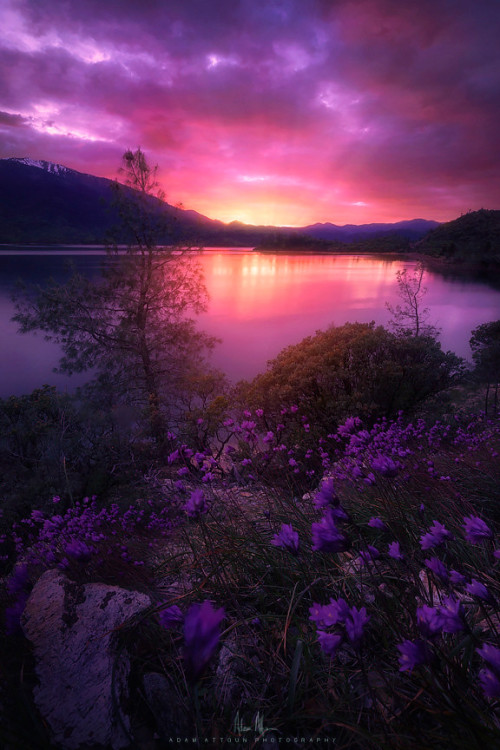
[(82, 672)]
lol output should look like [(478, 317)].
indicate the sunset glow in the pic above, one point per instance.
[(280, 112)]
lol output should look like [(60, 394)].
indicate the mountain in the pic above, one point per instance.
[(411, 230), (46, 203), (42, 202), (473, 238)]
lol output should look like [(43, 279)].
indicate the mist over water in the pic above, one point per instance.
[(259, 303)]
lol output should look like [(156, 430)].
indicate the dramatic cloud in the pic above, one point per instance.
[(266, 111)]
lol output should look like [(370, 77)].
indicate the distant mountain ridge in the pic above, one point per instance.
[(412, 230), (48, 203)]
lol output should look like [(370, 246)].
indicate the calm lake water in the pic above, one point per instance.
[(259, 303)]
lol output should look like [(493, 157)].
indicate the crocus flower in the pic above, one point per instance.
[(377, 523), (329, 642), (436, 536), (437, 568), (478, 589), (476, 529), (412, 654), (171, 616), (490, 683), (429, 621), (451, 614), (287, 538), (491, 655), (355, 623), (196, 504), (329, 614), (327, 537), (395, 551), (369, 554), (78, 551), (457, 578), (201, 637), (326, 495), (385, 466)]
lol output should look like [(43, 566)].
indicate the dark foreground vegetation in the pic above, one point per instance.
[(313, 556)]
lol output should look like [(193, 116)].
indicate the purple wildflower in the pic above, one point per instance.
[(369, 554), (171, 616), (327, 537), (490, 683), (476, 529), (429, 621), (413, 653), (329, 614), (395, 551), (329, 642), (355, 623), (437, 568), (451, 615), (79, 551), (338, 513), (456, 578), (478, 589), (385, 466), (436, 536), (201, 637), (196, 504), (491, 655), (287, 538), (349, 426), (326, 495), (377, 523)]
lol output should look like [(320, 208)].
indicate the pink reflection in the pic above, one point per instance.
[(261, 303)]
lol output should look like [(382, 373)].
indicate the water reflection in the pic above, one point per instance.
[(259, 304)]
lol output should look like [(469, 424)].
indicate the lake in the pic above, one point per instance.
[(259, 303)]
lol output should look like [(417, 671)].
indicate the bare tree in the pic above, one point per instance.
[(410, 317)]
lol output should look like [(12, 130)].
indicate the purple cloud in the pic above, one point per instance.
[(361, 110)]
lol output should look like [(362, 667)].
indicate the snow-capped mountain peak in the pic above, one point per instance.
[(47, 166)]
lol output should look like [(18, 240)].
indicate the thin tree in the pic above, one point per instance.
[(134, 327), (410, 317)]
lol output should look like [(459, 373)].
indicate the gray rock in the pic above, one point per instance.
[(83, 680)]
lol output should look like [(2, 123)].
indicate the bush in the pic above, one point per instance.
[(352, 370)]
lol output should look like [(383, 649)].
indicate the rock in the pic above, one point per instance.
[(83, 680)]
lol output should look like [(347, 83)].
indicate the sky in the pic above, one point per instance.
[(282, 112)]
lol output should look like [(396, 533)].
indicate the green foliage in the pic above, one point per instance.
[(485, 345), (355, 369), (134, 326), (472, 238), (53, 444)]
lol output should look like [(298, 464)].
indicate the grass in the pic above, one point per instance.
[(268, 670)]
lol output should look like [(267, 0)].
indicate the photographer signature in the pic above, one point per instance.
[(257, 726)]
